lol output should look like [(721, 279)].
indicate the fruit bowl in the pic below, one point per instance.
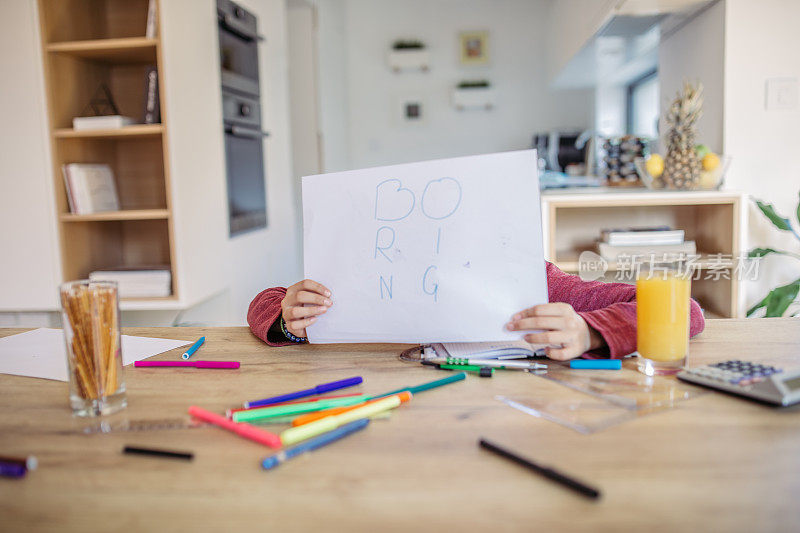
[(709, 179)]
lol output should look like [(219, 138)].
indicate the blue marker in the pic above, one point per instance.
[(596, 364), (193, 348), (316, 442)]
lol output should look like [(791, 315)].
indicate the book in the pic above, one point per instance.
[(640, 236), (102, 122), (489, 350), (138, 282), (90, 188), (152, 20), (611, 253), (152, 106)]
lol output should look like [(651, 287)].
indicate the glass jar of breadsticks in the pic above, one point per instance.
[(90, 315)]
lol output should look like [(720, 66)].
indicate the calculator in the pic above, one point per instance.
[(753, 380)]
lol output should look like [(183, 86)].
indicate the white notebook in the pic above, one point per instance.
[(489, 350)]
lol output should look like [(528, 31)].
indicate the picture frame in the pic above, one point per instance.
[(474, 47)]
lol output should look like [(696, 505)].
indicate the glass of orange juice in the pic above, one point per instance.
[(662, 316)]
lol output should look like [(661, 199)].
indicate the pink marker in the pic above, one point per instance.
[(196, 364), (244, 430)]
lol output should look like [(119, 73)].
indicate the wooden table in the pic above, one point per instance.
[(715, 463)]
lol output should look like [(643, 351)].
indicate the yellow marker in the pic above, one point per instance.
[(312, 429)]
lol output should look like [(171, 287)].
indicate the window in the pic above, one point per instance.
[(643, 109)]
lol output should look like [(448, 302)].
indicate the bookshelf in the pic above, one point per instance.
[(86, 43), (571, 223)]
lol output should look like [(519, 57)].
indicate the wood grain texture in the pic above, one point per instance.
[(716, 463)]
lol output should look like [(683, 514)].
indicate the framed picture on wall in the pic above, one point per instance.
[(474, 46)]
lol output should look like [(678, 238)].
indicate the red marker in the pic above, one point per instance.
[(243, 430)]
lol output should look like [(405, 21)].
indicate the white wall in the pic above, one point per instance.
[(762, 42), (697, 52), (517, 39), (30, 266)]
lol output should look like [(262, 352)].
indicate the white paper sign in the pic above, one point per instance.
[(437, 251)]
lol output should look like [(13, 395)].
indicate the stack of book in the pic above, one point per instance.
[(90, 188), (659, 240), (138, 282)]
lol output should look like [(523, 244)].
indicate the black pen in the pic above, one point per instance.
[(158, 453), (547, 472)]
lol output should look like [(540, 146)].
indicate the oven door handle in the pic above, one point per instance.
[(231, 24), (238, 131)]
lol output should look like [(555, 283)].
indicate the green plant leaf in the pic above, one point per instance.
[(758, 306), (780, 298), (777, 220), (798, 207), (761, 252)]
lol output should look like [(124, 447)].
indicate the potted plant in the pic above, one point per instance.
[(780, 299), (408, 54), (473, 94)]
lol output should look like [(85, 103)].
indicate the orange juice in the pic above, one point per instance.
[(662, 319)]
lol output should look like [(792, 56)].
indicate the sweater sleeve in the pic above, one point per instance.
[(264, 310), (609, 308)]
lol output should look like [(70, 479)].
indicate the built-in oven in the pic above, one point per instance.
[(241, 113), (244, 163)]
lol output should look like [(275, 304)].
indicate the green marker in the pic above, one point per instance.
[(426, 386), (467, 368), (297, 408)]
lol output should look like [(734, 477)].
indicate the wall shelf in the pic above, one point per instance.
[(139, 130), (572, 220), (88, 44), (125, 50), (127, 214)]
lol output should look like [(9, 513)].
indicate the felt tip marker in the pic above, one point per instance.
[(319, 389), (195, 364), (243, 430), (193, 348), (596, 364), (317, 442)]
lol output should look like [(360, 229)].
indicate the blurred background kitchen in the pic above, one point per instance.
[(197, 119)]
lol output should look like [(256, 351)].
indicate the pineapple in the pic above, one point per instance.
[(681, 164)]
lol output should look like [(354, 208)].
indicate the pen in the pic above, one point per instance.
[(158, 453), (547, 472), (319, 389), (243, 430), (195, 364), (329, 423), (311, 417), (295, 409), (316, 442), (492, 363), (193, 348)]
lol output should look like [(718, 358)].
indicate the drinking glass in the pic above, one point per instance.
[(90, 315), (663, 290)]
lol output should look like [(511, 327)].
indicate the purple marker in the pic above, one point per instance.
[(319, 389), (12, 470)]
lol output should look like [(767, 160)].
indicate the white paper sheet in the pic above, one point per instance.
[(41, 353), (437, 251)]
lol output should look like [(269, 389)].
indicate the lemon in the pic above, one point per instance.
[(710, 161), (654, 165), (708, 179)]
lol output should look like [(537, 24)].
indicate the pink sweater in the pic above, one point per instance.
[(610, 308)]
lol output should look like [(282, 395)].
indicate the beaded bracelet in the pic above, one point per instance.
[(293, 338)]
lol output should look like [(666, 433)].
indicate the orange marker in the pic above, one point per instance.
[(311, 417)]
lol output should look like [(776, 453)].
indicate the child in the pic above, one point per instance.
[(582, 316)]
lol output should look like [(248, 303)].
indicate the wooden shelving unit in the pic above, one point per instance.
[(713, 219), (87, 43)]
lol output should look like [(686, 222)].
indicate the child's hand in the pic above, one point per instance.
[(299, 316), (562, 326)]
